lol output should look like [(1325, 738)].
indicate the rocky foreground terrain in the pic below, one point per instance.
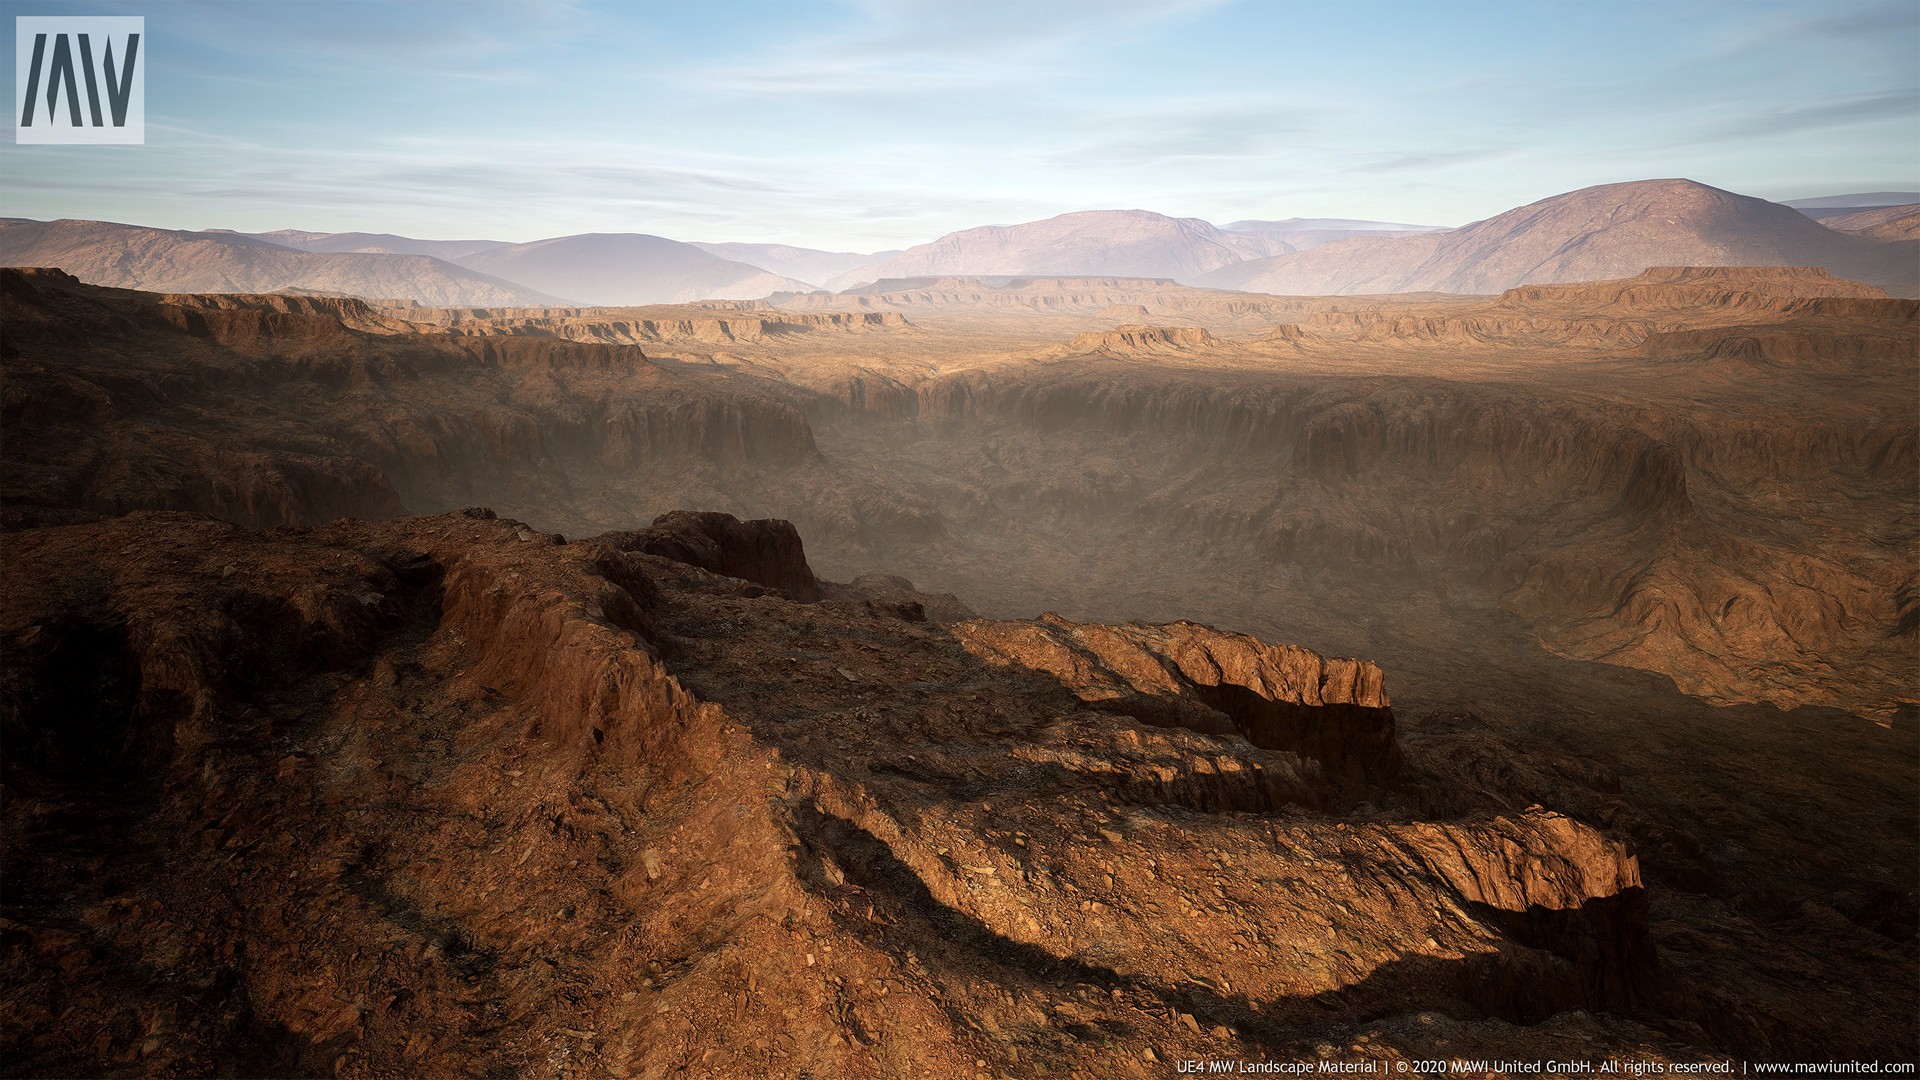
[(446, 795), (297, 784)]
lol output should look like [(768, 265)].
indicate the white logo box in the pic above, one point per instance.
[(89, 67)]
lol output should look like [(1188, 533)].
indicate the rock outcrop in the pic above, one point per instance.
[(765, 552), (419, 775), (1334, 712), (1129, 339)]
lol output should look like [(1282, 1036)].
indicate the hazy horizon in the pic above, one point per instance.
[(866, 126)]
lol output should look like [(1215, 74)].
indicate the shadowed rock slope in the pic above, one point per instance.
[(281, 410), (445, 796)]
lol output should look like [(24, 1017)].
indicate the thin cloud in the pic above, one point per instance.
[(905, 47), (1208, 129), (1901, 104), (1424, 160), (362, 34), (889, 122)]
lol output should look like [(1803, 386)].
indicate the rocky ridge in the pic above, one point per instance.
[(638, 326), (549, 807), (300, 410)]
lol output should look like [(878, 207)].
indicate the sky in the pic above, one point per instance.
[(875, 124)]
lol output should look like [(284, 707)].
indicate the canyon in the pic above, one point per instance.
[(953, 672)]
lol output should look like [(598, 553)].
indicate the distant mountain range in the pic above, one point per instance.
[(1092, 243), (1832, 206), (168, 260), (1885, 223), (628, 268), (604, 268), (1610, 231), (805, 264), (376, 243), (1596, 233)]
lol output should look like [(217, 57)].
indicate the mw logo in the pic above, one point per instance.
[(80, 79)]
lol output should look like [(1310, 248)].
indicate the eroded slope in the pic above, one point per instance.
[(442, 794)]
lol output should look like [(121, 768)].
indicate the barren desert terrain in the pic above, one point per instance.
[(374, 706)]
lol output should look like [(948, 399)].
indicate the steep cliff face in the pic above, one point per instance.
[(639, 326), (285, 410), (1334, 712), (235, 318), (1563, 503), (1697, 290), (404, 703), (419, 775), (115, 429), (1047, 295), (1374, 445), (1132, 338), (1837, 345)]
